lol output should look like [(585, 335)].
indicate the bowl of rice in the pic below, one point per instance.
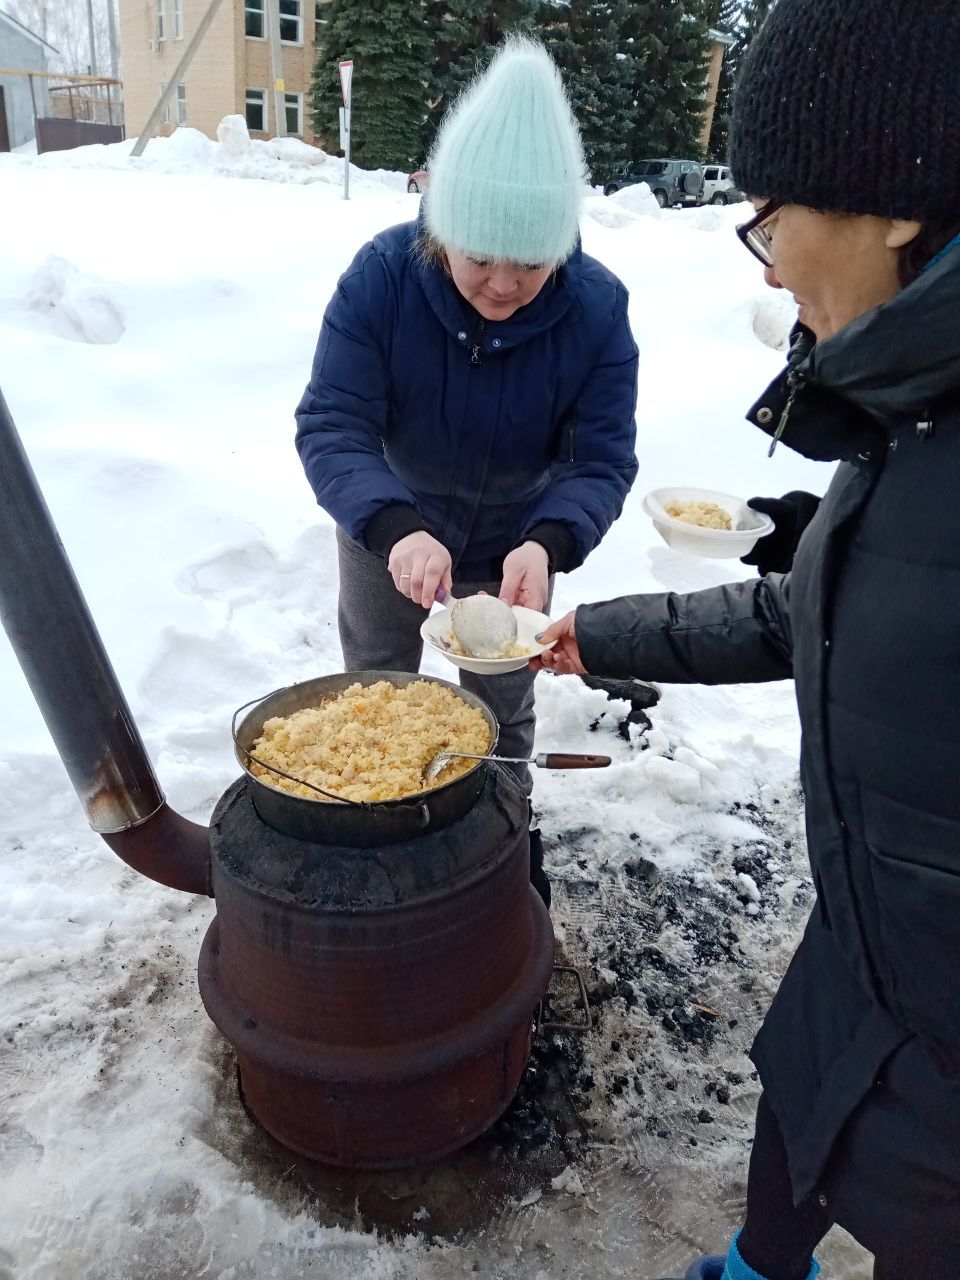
[(705, 522), (342, 758)]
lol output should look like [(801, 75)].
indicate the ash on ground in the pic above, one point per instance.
[(680, 968)]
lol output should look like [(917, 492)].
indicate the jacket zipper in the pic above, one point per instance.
[(476, 349), (795, 381)]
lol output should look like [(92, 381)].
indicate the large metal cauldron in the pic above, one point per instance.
[(380, 999), (359, 824)]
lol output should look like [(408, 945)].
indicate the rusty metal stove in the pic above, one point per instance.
[(380, 1000)]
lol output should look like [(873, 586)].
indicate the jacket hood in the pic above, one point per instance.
[(901, 357)]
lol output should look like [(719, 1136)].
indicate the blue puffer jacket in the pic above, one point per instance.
[(421, 415)]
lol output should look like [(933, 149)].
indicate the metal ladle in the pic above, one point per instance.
[(484, 626), (545, 760)]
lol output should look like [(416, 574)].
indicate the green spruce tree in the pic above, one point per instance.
[(463, 36), (741, 19), (587, 39), (392, 55), (670, 44)]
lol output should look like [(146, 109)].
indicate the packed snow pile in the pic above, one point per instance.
[(235, 155), (624, 207), (158, 321)]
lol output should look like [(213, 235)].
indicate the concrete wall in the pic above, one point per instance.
[(21, 52), (226, 65)]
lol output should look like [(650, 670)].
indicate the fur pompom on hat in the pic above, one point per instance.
[(507, 171), (853, 106)]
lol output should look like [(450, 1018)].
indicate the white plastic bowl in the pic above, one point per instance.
[(749, 526), (436, 633)]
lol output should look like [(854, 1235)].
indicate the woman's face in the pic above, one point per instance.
[(837, 266), (496, 289)]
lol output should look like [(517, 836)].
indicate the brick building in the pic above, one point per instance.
[(720, 43), (231, 73)]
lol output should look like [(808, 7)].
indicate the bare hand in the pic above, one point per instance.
[(526, 577), (419, 564), (564, 658)]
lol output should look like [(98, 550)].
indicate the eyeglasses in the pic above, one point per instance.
[(755, 235)]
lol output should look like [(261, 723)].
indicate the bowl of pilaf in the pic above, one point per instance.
[(705, 522)]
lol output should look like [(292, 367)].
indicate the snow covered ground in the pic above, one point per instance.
[(157, 322)]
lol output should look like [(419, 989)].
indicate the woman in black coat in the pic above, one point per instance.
[(847, 133)]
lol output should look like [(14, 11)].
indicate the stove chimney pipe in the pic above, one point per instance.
[(57, 644)]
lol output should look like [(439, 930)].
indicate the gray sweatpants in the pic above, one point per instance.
[(380, 631)]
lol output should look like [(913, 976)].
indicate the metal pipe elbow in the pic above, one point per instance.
[(168, 849)]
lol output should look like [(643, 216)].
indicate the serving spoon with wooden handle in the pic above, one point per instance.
[(545, 760)]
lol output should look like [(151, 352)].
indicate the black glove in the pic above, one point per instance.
[(790, 515)]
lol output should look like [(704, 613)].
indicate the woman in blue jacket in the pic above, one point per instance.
[(470, 417)]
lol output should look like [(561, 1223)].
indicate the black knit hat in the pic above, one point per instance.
[(853, 106)]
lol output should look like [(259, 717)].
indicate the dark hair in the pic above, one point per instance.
[(933, 237), (430, 252)]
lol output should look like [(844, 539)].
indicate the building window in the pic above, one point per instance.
[(321, 22), (181, 109), (254, 21), (177, 19), (161, 20), (291, 17), (256, 110), (293, 102)]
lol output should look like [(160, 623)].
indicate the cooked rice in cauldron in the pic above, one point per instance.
[(371, 742)]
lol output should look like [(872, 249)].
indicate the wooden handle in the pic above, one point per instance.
[(554, 760)]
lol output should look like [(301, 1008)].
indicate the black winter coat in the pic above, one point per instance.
[(860, 1052)]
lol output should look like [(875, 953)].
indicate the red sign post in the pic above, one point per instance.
[(346, 81)]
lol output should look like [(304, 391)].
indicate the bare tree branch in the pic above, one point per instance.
[(64, 24)]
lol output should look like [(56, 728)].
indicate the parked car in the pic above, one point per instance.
[(719, 187), (673, 182), (418, 181)]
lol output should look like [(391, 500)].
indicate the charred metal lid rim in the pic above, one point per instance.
[(380, 1064), (234, 828), (468, 882), (408, 904)]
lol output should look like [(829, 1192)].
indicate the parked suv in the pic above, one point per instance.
[(672, 182), (718, 186)]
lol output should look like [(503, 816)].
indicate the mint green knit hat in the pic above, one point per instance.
[(507, 170)]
